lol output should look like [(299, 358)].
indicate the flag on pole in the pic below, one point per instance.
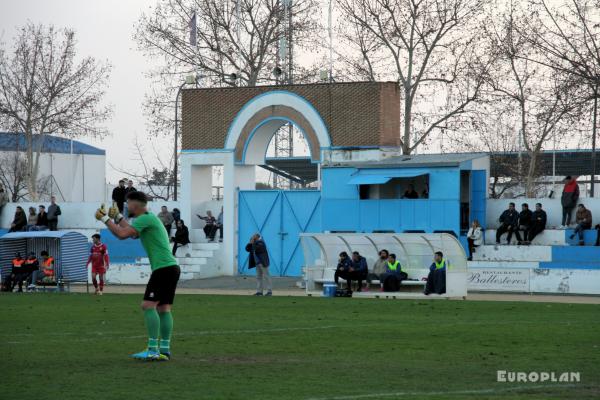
[(193, 30)]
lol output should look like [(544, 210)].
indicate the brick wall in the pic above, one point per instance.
[(356, 114)]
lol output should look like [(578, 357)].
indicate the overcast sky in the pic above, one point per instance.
[(104, 30)]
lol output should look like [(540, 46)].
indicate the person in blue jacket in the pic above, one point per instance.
[(357, 270), (436, 280)]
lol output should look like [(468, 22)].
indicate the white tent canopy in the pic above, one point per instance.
[(414, 251)]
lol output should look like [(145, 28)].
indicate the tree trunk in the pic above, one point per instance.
[(31, 169), (530, 179)]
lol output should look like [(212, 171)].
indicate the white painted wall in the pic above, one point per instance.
[(553, 209), (77, 177)]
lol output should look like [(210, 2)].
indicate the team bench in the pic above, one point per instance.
[(317, 276)]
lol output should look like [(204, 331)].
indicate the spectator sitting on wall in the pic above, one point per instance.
[(474, 237), (209, 228), (379, 268), (343, 269), (42, 219), (410, 193), (436, 280), (3, 198), (182, 235), (166, 218), (53, 213), (568, 200), (525, 217), (538, 222), (583, 218), (118, 195), (509, 221), (31, 219), (19, 222)]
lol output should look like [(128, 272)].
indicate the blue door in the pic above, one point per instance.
[(279, 216), (479, 187)]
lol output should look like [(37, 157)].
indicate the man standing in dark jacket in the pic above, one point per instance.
[(118, 195), (524, 224), (53, 213), (259, 259), (569, 198), (538, 222), (509, 221)]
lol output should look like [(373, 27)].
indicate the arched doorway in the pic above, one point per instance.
[(280, 216)]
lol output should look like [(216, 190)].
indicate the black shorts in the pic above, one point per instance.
[(162, 285)]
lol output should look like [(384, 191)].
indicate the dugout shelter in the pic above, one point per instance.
[(414, 251), (69, 249)]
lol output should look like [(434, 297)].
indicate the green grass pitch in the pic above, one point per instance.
[(76, 346)]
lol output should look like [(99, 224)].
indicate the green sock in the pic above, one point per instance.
[(166, 329), (153, 326)]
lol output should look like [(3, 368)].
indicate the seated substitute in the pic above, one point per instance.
[(45, 274), (379, 268), (354, 269), (393, 277), (436, 280), (16, 273)]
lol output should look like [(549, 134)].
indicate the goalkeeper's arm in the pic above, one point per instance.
[(122, 230)]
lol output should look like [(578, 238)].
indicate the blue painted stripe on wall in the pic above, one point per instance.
[(589, 237), (569, 265), (575, 254), (122, 251)]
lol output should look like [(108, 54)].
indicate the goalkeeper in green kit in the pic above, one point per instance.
[(160, 291)]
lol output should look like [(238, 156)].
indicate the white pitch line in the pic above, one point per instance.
[(441, 393)]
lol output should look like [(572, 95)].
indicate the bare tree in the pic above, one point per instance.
[(44, 91), (156, 180), (569, 40), (13, 174), (228, 51), (544, 102), (430, 47)]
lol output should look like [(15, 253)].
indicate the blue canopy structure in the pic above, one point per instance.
[(69, 249)]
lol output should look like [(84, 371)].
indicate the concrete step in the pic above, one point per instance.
[(549, 237), (513, 253), (503, 264), (198, 236), (205, 246)]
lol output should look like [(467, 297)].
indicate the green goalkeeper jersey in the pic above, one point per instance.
[(154, 240)]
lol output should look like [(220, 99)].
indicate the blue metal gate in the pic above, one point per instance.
[(279, 216)]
